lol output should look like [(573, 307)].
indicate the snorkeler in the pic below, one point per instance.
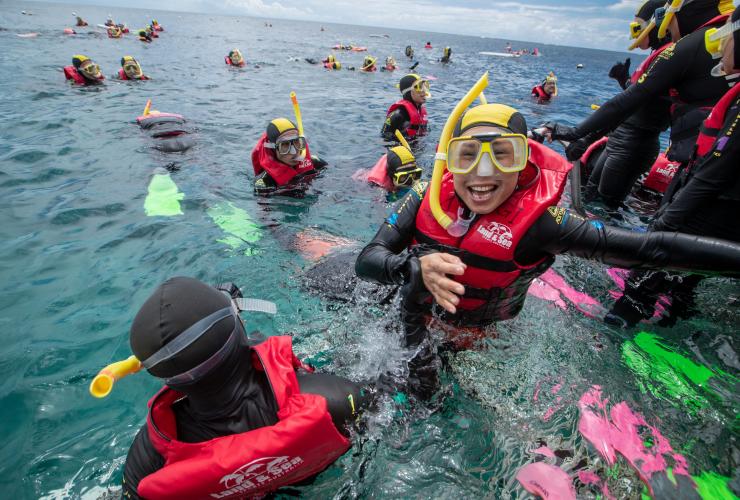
[(396, 171), (390, 64), (408, 115), (632, 148), (239, 415), (547, 89), (80, 21), (156, 26), (115, 32), (331, 62), (428, 45), (145, 36), (368, 64), (281, 158), (130, 70), (83, 71), (446, 55), (409, 52), (706, 196), (171, 131), (235, 58), (683, 71), (470, 245)]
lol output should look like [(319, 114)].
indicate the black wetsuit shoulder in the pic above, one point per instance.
[(399, 119), (684, 66), (708, 201)]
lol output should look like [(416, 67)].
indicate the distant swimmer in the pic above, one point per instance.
[(390, 64), (235, 58), (114, 32), (145, 36), (130, 70), (81, 22), (409, 52), (547, 89), (368, 64), (331, 62), (408, 115), (428, 45), (83, 71), (156, 26), (446, 55)]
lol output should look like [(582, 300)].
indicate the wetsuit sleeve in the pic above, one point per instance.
[(344, 398), (559, 231), (141, 461), (380, 261), (398, 120), (712, 175), (667, 69), (264, 184)]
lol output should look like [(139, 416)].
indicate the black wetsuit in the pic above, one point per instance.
[(706, 201), (265, 185), (173, 134), (398, 120), (684, 67), (557, 231), (242, 403)]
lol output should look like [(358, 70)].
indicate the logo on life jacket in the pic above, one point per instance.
[(497, 233), (669, 170), (256, 473)]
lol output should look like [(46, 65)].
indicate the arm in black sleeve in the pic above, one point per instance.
[(344, 398), (264, 184), (593, 240), (398, 120), (711, 176), (380, 261), (667, 69), (141, 461)]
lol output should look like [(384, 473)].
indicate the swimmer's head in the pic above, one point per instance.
[(486, 153), (550, 84), (283, 138), (236, 57), (131, 68), (87, 68), (686, 16), (414, 88), (401, 167)]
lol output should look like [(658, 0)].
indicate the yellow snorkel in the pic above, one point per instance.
[(297, 112), (440, 159), (402, 140), (670, 13), (103, 382), (643, 34), (147, 107)]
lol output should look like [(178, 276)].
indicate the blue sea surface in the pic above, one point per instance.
[(79, 255)]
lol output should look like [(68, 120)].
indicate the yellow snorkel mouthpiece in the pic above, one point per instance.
[(440, 161), (103, 382), (670, 13), (643, 34), (297, 112)]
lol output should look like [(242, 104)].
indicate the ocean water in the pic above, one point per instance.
[(79, 254)]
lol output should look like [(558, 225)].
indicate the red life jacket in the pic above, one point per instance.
[(227, 60), (250, 464), (714, 122), (645, 65), (492, 276), (539, 93), (123, 76), (417, 117), (379, 174), (263, 159), (71, 73), (661, 174)]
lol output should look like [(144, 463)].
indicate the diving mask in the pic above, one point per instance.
[(407, 177), (419, 86), (508, 152), (202, 327), (294, 145), (236, 57), (132, 69), (91, 71), (636, 28)]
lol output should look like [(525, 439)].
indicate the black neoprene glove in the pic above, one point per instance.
[(561, 132), (424, 372), (621, 72)]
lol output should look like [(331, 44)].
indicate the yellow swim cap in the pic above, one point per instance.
[(496, 115), (78, 59), (277, 127)]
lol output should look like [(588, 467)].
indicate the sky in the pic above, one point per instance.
[(600, 24)]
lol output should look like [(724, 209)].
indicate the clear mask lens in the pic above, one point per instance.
[(291, 146), (507, 152)]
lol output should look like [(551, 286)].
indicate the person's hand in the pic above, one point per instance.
[(424, 372), (558, 132), (621, 72), (434, 270), (575, 149)]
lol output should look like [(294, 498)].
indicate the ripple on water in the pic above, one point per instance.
[(75, 215)]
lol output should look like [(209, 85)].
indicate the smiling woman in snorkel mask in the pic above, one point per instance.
[(468, 246), (83, 71)]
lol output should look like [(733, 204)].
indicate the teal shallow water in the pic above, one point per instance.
[(78, 255)]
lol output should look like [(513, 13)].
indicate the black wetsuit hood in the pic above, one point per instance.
[(696, 13)]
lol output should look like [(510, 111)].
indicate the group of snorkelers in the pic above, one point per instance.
[(241, 416), (118, 30)]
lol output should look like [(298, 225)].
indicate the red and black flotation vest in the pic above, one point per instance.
[(539, 93), (714, 122), (417, 117), (495, 283), (71, 73), (264, 160), (301, 444), (379, 174)]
